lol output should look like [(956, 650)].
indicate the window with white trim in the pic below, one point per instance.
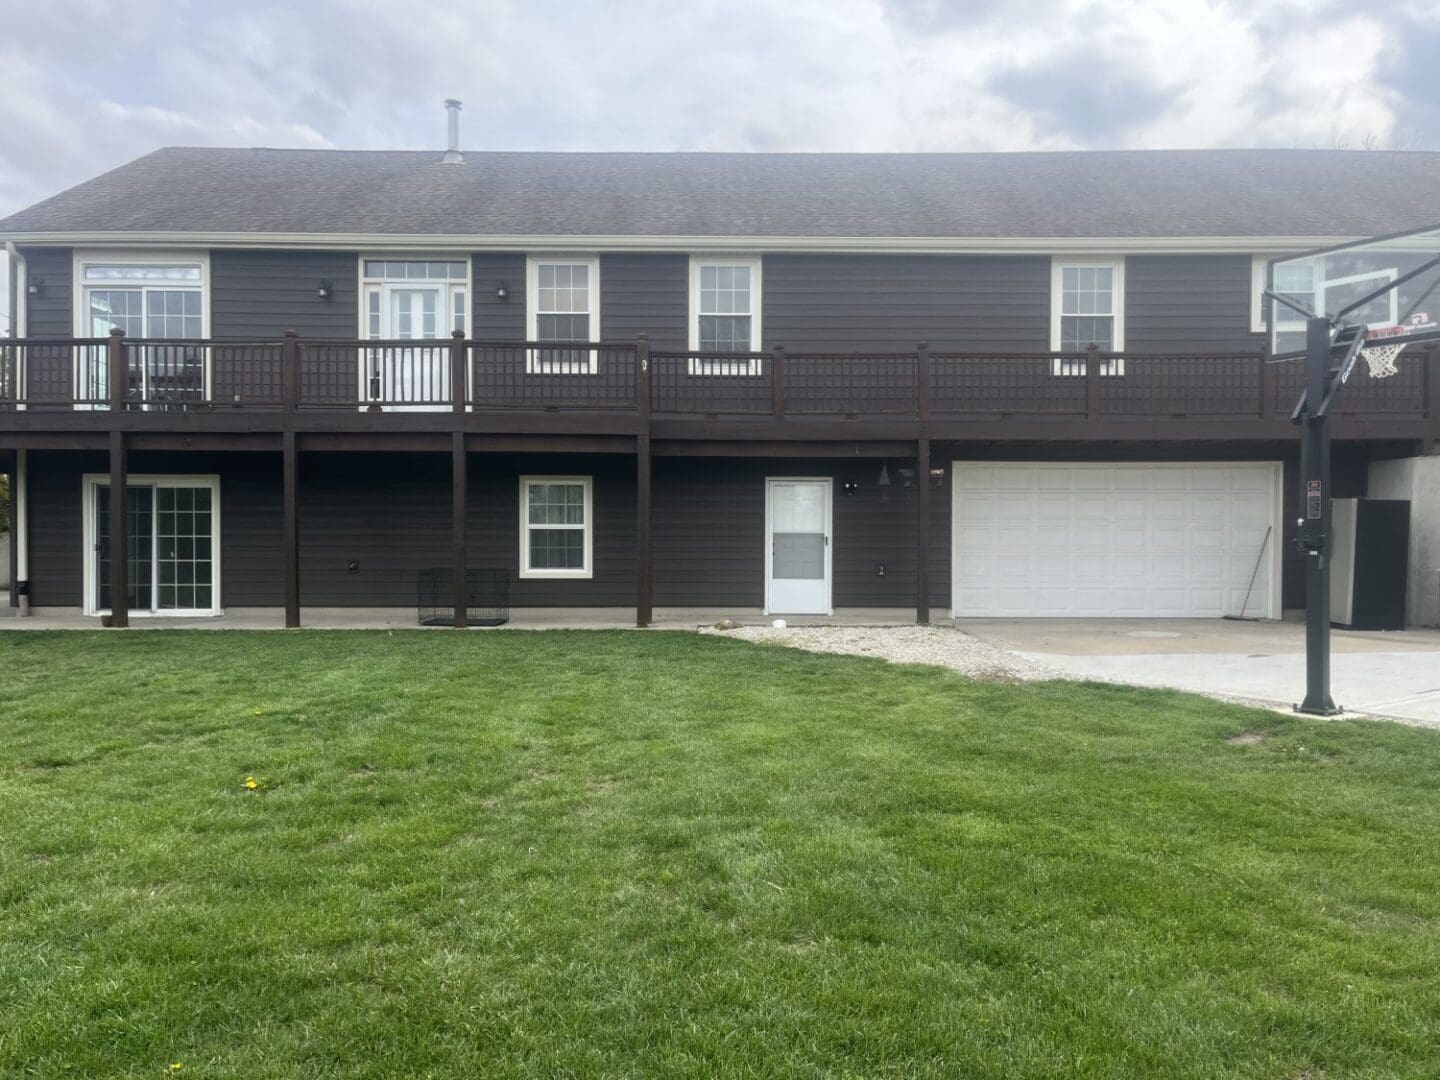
[(564, 307), (1087, 307), (1306, 284), (414, 299), (145, 296), (725, 314), (173, 525), (556, 526)]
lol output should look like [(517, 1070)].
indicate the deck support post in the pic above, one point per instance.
[(922, 533), (19, 529), (290, 469), (459, 479), (119, 534), (644, 570)]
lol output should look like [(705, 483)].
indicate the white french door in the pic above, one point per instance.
[(798, 515), (173, 534), (412, 378)]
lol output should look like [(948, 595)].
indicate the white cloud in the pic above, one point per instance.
[(87, 91)]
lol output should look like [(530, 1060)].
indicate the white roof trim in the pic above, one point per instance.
[(437, 243)]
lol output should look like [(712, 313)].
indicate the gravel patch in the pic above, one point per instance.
[(941, 646)]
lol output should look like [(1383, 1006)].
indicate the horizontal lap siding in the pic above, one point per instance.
[(261, 294), (1189, 303), (48, 314), (391, 516), (709, 532), (496, 319), (56, 533), (250, 540), (645, 294), (494, 525), (845, 303)]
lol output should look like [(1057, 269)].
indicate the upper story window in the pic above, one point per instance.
[(1087, 307), (1323, 286), (563, 307), (145, 296), (414, 299), (725, 313)]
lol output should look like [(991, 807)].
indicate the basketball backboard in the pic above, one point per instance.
[(1391, 284)]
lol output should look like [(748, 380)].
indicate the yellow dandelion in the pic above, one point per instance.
[(175, 1066), (251, 783)]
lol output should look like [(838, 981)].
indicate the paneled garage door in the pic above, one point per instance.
[(1115, 539)]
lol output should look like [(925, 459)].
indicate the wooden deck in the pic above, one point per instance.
[(623, 389)]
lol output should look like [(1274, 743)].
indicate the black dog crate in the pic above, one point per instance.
[(488, 592)]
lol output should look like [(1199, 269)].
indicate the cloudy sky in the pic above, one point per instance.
[(93, 83)]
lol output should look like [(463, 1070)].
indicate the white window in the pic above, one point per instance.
[(1306, 284), (1294, 280), (556, 527), (174, 544), (1087, 306), (148, 297), (725, 314), (563, 306)]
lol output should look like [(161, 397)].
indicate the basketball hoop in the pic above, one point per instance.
[(1380, 359)]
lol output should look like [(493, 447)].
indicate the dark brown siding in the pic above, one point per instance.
[(249, 521), (260, 294), (887, 302), (494, 521), (645, 294), (389, 515), (1189, 303), (49, 314), (56, 533), (710, 532)]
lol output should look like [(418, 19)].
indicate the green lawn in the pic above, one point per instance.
[(620, 854)]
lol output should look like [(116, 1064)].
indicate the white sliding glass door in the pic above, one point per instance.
[(173, 544)]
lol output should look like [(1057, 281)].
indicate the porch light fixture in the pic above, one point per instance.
[(849, 487), (325, 289), (502, 291), (35, 286), (884, 476)]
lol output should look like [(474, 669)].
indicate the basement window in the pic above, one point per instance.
[(556, 526)]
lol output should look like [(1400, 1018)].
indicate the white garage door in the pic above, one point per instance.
[(1115, 539)]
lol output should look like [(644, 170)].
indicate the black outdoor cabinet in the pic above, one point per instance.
[(1370, 563)]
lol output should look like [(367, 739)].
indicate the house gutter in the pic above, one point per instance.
[(20, 496), (892, 245)]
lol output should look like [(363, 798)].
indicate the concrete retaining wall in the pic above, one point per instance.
[(1416, 479)]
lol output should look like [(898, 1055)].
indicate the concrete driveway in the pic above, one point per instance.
[(1395, 674)]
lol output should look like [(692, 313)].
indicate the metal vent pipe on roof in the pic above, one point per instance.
[(452, 149)]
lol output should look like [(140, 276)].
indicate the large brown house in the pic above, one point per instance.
[(992, 384)]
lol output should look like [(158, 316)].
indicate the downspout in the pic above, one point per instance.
[(20, 497)]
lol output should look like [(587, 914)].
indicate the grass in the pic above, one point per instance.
[(619, 854)]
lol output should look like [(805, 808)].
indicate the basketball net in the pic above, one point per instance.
[(1380, 359)]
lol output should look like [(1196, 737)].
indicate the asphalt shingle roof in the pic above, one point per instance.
[(1163, 193)]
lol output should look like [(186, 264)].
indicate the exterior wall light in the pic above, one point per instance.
[(502, 291), (325, 289), (36, 286)]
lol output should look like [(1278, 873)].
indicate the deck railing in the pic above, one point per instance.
[(476, 376)]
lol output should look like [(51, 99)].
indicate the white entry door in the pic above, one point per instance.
[(1116, 539), (797, 546), (412, 378)]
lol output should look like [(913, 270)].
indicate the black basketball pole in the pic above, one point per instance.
[(1315, 519)]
